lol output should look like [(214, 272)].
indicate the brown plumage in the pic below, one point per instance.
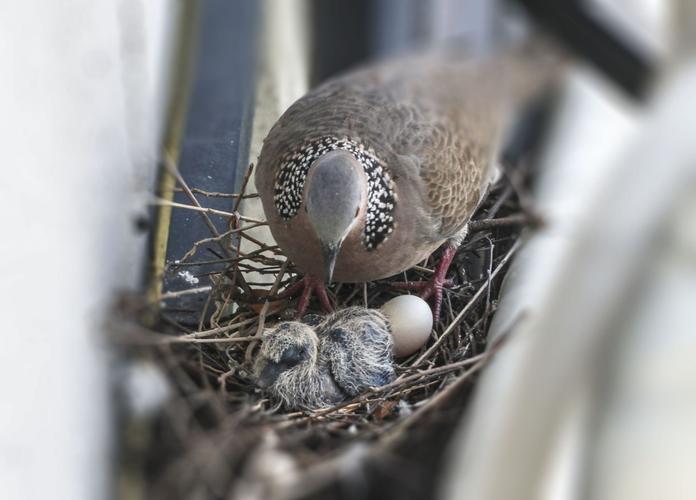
[(418, 138)]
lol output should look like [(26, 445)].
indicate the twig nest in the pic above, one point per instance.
[(411, 322)]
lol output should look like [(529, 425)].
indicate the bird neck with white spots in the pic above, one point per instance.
[(341, 184)]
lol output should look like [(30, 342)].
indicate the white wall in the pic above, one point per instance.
[(81, 99)]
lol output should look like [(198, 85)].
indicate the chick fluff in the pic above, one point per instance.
[(311, 367)]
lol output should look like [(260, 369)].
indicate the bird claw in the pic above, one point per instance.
[(431, 288), (306, 286)]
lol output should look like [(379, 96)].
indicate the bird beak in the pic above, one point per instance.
[(329, 252), (268, 376)]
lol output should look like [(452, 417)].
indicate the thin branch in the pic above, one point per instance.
[(216, 194), (264, 310), (405, 381), (510, 220), (188, 291), (469, 305), (173, 169), (212, 211)]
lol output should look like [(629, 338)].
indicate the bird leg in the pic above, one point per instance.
[(433, 287), (305, 287)]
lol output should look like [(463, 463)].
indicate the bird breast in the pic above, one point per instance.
[(356, 261)]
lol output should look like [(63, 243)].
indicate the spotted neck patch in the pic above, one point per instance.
[(381, 198)]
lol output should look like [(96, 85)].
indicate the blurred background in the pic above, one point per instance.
[(595, 394)]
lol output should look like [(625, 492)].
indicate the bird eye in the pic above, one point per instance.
[(292, 356)]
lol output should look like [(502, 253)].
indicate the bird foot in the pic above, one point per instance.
[(305, 287), (431, 288)]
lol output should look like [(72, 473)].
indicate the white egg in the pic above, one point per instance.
[(411, 322)]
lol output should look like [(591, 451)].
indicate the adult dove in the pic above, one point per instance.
[(372, 171)]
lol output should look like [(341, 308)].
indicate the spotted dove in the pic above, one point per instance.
[(372, 171)]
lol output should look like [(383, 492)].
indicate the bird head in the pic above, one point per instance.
[(289, 347), (335, 193)]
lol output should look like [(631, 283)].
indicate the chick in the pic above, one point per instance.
[(305, 367)]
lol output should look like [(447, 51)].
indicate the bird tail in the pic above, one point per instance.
[(533, 66)]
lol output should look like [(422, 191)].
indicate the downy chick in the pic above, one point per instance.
[(306, 367)]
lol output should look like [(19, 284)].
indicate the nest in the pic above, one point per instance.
[(218, 437)]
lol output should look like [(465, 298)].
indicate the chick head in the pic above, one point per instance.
[(286, 350)]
